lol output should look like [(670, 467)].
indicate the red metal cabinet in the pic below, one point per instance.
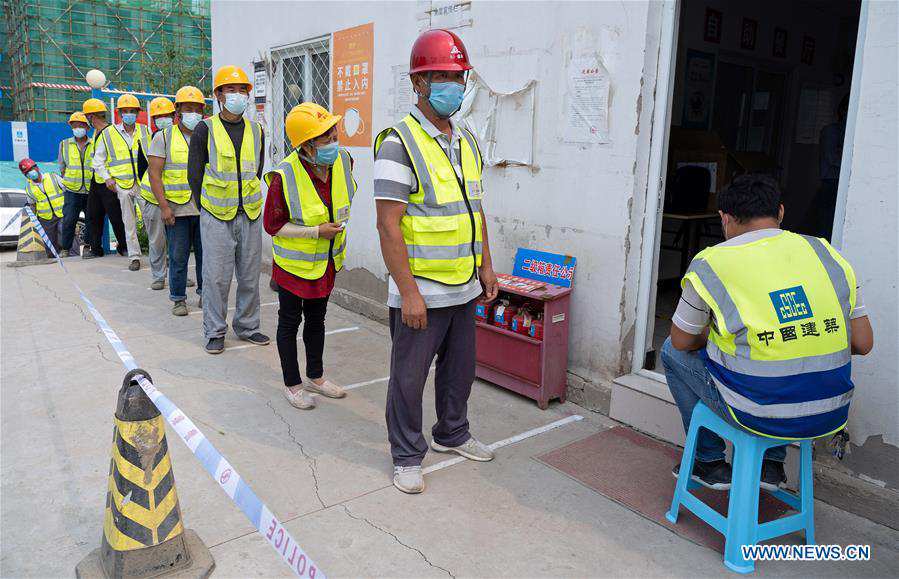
[(531, 367)]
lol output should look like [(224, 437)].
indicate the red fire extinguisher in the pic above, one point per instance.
[(536, 331)]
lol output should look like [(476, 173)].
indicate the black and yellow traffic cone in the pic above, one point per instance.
[(143, 534), (31, 249)]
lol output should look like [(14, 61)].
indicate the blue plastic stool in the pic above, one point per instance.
[(741, 526)]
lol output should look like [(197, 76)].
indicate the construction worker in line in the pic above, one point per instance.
[(75, 167), (306, 213), (434, 241), (162, 111), (102, 202), (763, 333), (224, 168), (47, 192), (116, 159), (165, 186)]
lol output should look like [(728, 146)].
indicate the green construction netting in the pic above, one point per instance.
[(150, 46)]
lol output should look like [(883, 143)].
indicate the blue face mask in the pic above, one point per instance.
[(79, 132), (129, 118), (327, 154), (446, 98), (191, 120), (33, 174), (163, 123), (236, 102)]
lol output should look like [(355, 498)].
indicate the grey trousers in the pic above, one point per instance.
[(230, 249), (450, 336), (129, 220), (155, 229)]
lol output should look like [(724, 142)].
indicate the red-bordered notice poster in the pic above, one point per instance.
[(351, 83)]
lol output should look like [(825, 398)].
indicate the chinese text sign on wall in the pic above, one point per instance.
[(352, 68), (543, 266)]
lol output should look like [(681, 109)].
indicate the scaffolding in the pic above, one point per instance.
[(141, 45)]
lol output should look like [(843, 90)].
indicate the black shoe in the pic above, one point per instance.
[(714, 475), (135, 265), (215, 346), (90, 255), (258, 338), (773, 475)]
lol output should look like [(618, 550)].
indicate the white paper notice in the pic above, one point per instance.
[(587, 110), (402, 91)]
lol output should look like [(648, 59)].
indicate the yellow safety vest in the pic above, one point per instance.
[(304, 257), (121, 160), (223, 180), (48, 198), (174, 172), (442, 224), (78, 167), (779, 342)]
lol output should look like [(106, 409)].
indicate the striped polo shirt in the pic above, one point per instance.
[(395, 180)]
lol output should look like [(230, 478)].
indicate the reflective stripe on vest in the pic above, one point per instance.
[(223, 181), (174, 172), (78, 168), (778, 350), (121, 160), (305, 257), (48, 198), (442, 225)]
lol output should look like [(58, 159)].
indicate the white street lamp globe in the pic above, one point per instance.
[(95, 78)]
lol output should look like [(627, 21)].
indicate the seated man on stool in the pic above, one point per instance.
[(763, 333)]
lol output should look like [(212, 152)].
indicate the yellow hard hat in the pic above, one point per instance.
[(127, 101), (77, 117), (93, 106), (307, 121), (231, 74), (189, 94), (161, 106)]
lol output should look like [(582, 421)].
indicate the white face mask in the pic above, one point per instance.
[(79, 132), (163, 123), (191, 120)]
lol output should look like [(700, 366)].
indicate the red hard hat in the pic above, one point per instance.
[(26, 165), (438, 50)]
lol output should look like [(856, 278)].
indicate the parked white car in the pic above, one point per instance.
[(11, 200)]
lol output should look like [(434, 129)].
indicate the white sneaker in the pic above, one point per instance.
[(326, 388), (408, 479), (470, 449), (299, 399)]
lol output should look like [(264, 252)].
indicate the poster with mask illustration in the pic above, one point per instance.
[(352, 68)]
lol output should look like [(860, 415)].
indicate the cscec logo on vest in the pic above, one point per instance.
[(791, 304)]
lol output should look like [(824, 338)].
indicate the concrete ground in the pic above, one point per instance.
[(325, 473)]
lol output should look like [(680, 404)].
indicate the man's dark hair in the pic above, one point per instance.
[(749, 197)]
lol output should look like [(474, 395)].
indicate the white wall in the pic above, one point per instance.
[(871, 231), (577, 200)]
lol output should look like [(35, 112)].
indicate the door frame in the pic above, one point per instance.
[(658, 162)]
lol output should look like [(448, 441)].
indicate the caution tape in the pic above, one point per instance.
[(14, 217), (218, 467)]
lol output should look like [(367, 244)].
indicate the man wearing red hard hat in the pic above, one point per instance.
[(433, 234), (47, 194)]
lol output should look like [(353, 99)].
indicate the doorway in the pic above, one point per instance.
[(756, 88)]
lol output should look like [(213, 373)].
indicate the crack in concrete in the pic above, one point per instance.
[(51, 291), (102, 355), (397, 539), (310, 461)]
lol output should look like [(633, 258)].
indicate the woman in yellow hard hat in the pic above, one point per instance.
[(119, 163), (162, 114), (75, 167), (227, 153), (102, 203), (166, 187), (306, 213)]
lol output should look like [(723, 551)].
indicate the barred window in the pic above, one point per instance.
[(301, 72)]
